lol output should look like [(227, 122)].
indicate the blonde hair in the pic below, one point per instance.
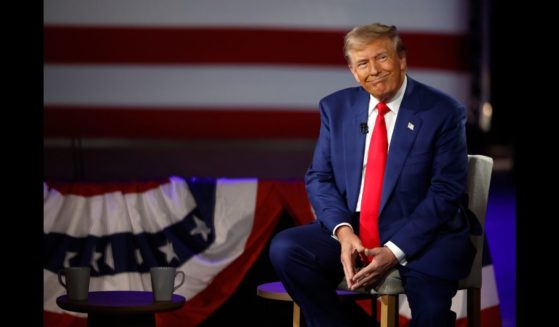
[(360, 36)]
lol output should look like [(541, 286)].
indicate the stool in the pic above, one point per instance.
[(276, 291)]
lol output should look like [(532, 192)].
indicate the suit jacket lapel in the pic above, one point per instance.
[(406, 128), (355, 145)]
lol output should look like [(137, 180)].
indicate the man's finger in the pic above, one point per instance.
[(348, 272), (365, 279), (373, 252), (348, 269)]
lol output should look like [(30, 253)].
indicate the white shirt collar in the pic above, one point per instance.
[(396, 101)]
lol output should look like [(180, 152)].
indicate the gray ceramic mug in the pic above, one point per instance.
[(163, 282), (76, 282)]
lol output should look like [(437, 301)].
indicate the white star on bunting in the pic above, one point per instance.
[(139, 257), (109, 259), (169, 251), (96, 255), (67, 257), (201, 228)]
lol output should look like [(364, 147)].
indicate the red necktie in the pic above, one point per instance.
[(374, 175)]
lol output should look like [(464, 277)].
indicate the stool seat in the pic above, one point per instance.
[(391, 285), (273, 291)]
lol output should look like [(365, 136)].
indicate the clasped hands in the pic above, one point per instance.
[(371, 274)]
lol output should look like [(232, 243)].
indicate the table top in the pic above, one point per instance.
[(120, 302)]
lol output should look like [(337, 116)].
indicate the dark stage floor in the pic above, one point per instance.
[(501, 236)]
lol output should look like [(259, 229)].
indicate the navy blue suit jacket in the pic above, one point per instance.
[(424, 180)]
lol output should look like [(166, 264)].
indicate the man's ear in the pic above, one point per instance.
[(403, 64)]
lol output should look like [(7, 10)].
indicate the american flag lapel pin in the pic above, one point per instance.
[(410, 126)]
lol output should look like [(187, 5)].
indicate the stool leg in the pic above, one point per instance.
[(296, 315), (374, 322), (388, 310), (474, 305)]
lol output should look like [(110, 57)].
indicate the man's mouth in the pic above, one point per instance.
[(376, 80)]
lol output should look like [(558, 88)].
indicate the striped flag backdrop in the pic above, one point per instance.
[(206, 69), (213, 230), (216, 68)]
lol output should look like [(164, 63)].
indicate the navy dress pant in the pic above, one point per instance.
[(307, 261)]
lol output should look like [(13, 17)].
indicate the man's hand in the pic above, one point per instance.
[(371, 275), (351, 247)]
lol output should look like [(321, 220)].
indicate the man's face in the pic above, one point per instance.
[(378, 68)]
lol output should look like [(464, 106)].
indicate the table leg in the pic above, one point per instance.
[(120, 320)]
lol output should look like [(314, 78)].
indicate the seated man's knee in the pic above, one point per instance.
[(281, 247)]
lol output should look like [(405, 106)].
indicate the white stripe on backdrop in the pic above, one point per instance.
[(443, 16), (196, 85)]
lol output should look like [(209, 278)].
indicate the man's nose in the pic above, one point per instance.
[(373, 68)]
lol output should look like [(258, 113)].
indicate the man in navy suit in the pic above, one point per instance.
[(422, 233)]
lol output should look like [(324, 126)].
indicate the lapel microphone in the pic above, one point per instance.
[(364, 128)]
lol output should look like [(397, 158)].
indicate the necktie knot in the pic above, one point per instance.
[(382, 108)]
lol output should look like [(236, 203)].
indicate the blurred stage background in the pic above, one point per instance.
[(143, 90)]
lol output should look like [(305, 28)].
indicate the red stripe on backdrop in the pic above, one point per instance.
[(489, 317), (107, 122), (92, 189), (63, 320), (142, 45)]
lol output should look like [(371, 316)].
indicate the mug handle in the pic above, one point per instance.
[(182, 280), (60, 273)]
